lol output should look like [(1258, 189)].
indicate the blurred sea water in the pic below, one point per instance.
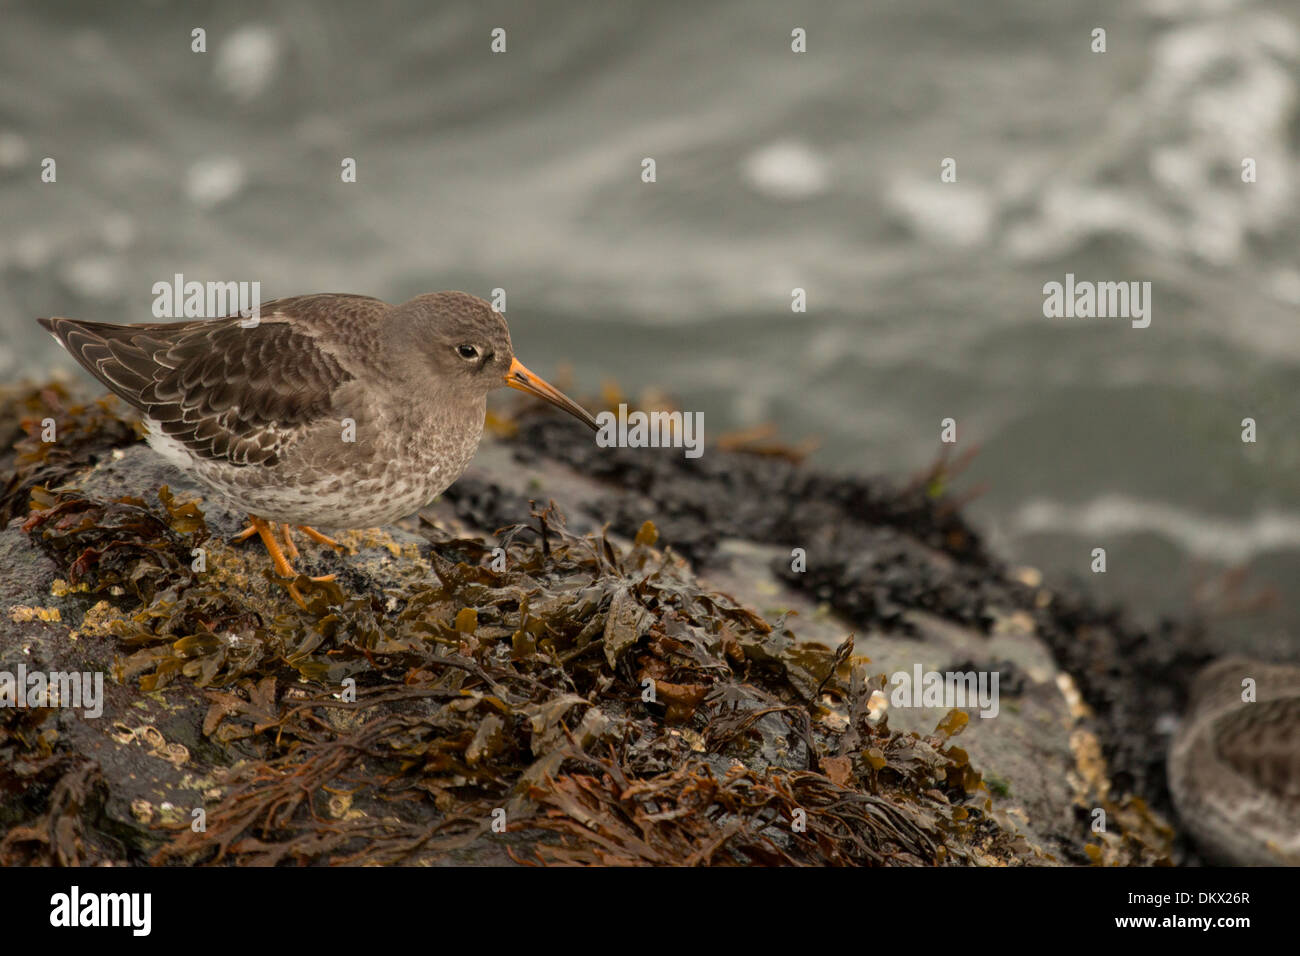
[(775, 171)]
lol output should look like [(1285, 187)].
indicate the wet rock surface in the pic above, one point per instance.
[(577, 655), (880, 551)]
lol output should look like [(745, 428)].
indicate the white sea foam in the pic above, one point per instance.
[(786, 169), (246, 61), (1230, 540)]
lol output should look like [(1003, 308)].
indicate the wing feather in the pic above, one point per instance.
[(225, 392)]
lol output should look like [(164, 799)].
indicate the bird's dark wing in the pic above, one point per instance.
[(225, 392)]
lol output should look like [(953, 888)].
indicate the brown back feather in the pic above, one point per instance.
[(224, 392)]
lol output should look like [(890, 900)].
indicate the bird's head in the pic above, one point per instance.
[(468, 345)]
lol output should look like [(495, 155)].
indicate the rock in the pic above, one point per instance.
[(437, 705)]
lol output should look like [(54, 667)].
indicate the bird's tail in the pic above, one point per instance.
[(107, 352)]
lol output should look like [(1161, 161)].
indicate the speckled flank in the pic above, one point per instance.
[(328, 483)]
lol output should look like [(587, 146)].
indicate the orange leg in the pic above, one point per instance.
[(290, 548), (282, 566), (321, 538)]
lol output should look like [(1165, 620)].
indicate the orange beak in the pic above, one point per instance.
[(524, 380)]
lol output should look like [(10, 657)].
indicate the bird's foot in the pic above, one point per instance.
[(286, 533), (244, 535), (294, 593), (282, 566), (321, 538)]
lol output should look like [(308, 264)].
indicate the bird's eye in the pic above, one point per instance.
[(467, 351)]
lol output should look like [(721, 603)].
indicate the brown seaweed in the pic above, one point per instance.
[(591, 704), (523, 692)]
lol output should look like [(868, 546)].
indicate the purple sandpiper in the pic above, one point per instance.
[(1234, 766), (336, 411)]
